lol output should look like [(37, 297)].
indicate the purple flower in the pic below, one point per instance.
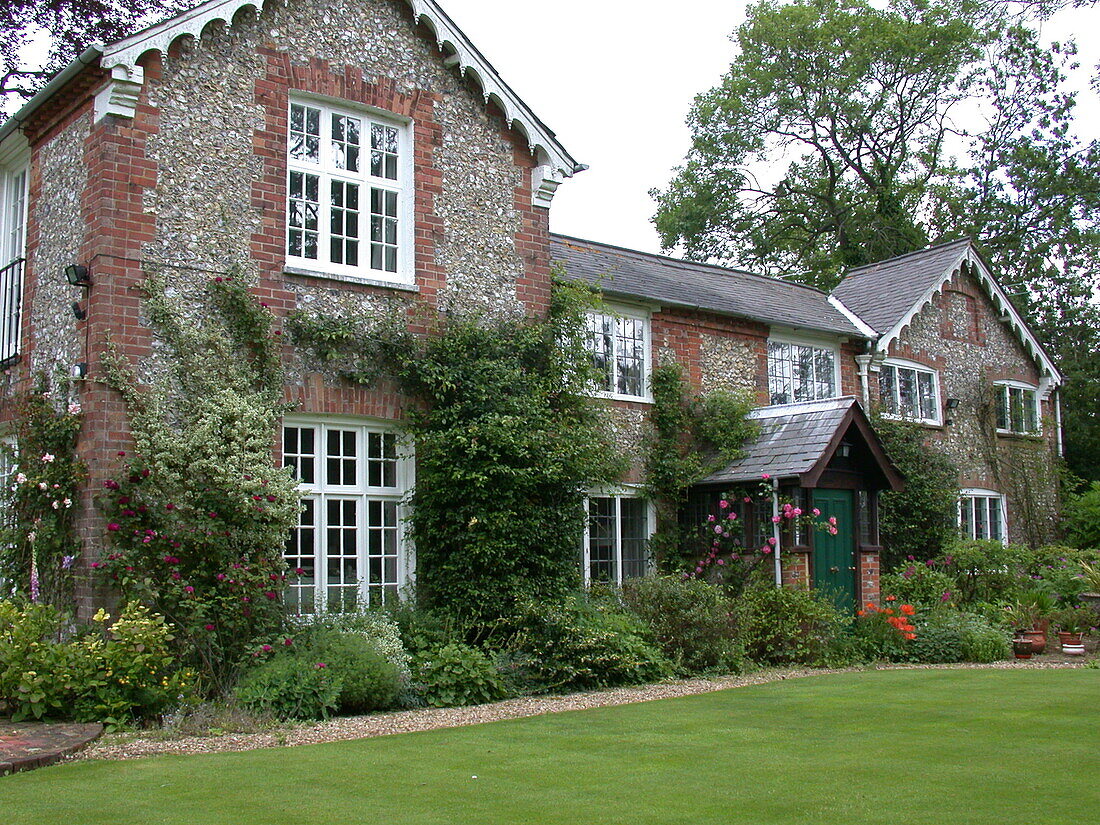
[(67, 562)]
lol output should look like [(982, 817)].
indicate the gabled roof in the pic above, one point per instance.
[(883, 293), (888, 295), (797, 441), (120, 59), (626, 273)]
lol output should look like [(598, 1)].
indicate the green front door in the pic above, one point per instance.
[(834, 555)]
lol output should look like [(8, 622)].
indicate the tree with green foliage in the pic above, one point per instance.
[(817, 150)]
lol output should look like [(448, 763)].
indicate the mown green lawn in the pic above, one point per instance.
[(933, 746)]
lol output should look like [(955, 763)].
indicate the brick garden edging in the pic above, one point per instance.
[(28, 745)]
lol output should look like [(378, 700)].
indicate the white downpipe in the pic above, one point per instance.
[(863, 361), (1058, 417), (776, 531)]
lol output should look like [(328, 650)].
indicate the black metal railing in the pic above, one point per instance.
[(11, 306)]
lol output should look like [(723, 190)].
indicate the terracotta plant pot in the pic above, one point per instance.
[(1021, 647), (1072, 643), (1038, 640)]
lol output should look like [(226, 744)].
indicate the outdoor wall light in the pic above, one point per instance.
[(78, 311), (78, 275), (80, 371), (844, 449), (949, 405)]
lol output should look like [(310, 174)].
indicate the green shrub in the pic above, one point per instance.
[(986, 571), (382, 631), (782, 625), (1083, 518), (368, 681), (290, 686), (690, 620), (117, 674), (455, 675), (884, 634), (945, 636), (919, 583), (576, 644)]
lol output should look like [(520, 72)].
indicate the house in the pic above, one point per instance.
[(953, 354), (347, 167)]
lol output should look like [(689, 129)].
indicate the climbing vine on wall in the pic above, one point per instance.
[(507, 442), (1026, 468), (689, 438), (920, 520), (197, 515)]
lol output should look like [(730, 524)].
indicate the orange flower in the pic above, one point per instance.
[(891, 598), (910, 635), (908, 609), (860, 613)]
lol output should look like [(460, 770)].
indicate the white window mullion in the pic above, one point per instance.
[(617, 573)]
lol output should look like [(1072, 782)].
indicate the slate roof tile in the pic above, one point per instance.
[(670, 281), (883, 293)]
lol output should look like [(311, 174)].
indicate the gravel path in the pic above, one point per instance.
[(124, 746)]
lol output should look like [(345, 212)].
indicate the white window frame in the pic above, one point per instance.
[(327, 171), (617, 495), (321, 491), (14, 202), (902, 364), (1002, 394), (623, 313), (804, 341), (973, 498)]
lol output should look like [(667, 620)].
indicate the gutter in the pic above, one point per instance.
[(90, 55)]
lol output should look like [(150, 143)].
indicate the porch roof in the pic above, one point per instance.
[(797, 441)]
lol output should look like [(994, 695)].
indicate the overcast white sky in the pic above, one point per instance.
[(615, 80)]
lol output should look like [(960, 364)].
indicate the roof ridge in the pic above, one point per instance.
[(860, 270), (681, 261)]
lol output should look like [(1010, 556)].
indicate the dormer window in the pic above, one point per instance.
[(801, 372), (348, 193)]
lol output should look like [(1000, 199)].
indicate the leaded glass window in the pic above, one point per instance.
[(619, 346), (798, 372), (909, 392)]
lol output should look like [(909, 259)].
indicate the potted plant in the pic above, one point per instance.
[(1040, 605), (1021, 617), (1091, 575), (1073, 623)]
